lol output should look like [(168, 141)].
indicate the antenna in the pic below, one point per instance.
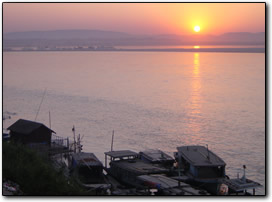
[(112, 140), (40, 105)]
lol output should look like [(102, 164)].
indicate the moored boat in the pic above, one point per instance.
[(89, 171), (199, 166), (241, 186), (125, 166)]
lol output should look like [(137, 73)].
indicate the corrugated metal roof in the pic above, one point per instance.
[(25, 126), (138, 166), (155, 155), (164, 181), (88, 159), (200, 156), (121, 153)]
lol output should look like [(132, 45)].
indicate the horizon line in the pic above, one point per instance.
[(159, 34)]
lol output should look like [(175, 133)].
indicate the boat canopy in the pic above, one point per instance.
[(138, 167), (165, 183), (161, 181), (155, 155), (121, 154), (200, 156), (86, 159)]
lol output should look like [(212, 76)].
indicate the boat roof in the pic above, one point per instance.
[(165, 182), (121, 153), (200, 156), (139, 167), (168, 183), (155, 155), (88, 159), (240, 184)]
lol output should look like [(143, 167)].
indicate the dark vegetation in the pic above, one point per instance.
[(34, 172)]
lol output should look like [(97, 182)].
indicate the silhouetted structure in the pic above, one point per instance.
[(29, 132)]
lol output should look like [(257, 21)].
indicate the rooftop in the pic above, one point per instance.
[(88, 159), (121, 153), (139, 167), (165, 182), (155, 155), (200, 156), (25, 126)]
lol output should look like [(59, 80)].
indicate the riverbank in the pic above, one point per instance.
[(34, 173)]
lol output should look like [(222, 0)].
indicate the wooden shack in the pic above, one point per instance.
[(30, 132)]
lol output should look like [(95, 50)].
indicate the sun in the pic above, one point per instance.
[(197, 28)]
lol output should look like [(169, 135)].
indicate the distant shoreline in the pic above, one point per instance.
[(221, 50)]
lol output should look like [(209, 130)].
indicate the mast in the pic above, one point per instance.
[(49, 120), (112, 140)]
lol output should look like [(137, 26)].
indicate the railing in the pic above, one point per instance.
[(59, 141)]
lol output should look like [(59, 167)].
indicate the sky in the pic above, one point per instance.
[(136, 18)]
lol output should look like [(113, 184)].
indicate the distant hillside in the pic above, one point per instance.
[(100, 37), (231, 38), (243, 36), (65, 34)]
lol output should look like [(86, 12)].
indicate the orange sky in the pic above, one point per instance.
[(138, 18)]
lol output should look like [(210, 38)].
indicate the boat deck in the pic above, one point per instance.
[(156, 156), (200, 156), (138, 167), (172, 186), (239, 185)]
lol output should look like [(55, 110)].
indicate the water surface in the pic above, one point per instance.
[(151, 99)]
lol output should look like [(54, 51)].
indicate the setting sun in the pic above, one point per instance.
[(197, 28)]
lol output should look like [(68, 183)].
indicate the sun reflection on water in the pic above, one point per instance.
[(195, 100), (196, 65)]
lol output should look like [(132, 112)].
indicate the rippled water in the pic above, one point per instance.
[(150, 99)]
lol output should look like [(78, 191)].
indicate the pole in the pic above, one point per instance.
[(68, 143), (106, 161), (112, 140), (49, 120), (73, 129), (208, 152), (79, 145), (179, 161)]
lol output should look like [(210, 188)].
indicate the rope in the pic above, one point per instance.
[(40, 105)]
